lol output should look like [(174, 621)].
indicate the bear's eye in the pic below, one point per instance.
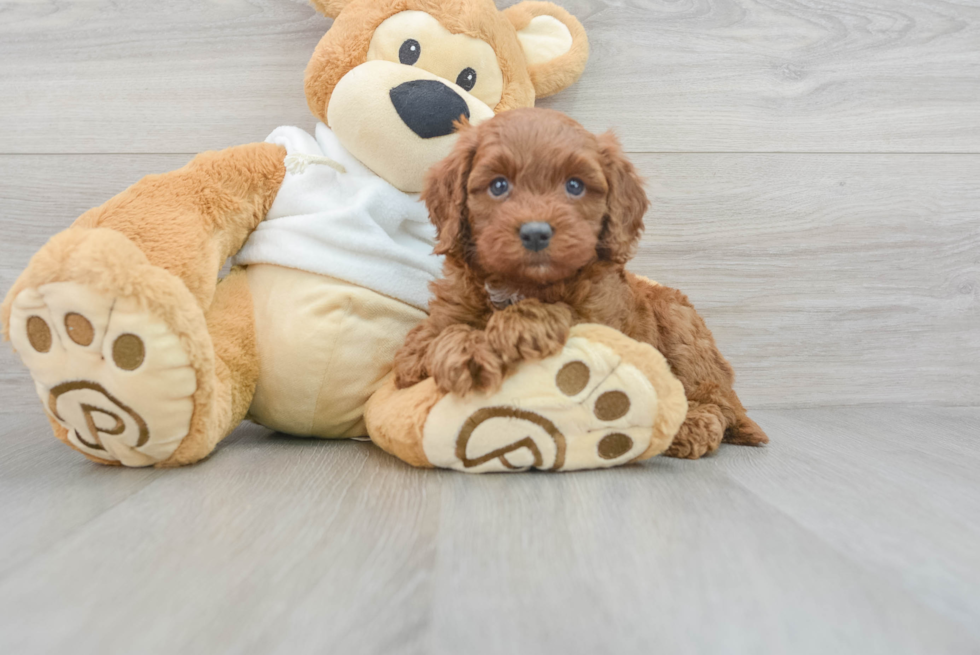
[(499, 187), (575, 187), (467, 79), (410, 52)]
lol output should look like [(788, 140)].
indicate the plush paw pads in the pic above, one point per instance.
[(584, 408), (114, 376)]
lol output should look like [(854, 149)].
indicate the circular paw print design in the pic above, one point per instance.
[(565, 413), (115, 377)]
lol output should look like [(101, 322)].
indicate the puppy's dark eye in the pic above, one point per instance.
[(410, 52), (499, 187), (467, 79), (575, 187)]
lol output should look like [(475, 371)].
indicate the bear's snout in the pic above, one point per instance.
[(428, 107)]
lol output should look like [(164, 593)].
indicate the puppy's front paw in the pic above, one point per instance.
[(700, 434), (409, 364), (529, 330), (409, 371), (461, 360)]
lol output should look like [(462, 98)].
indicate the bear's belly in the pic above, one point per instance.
[(325, 346)]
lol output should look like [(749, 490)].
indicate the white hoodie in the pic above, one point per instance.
[(351, 225)]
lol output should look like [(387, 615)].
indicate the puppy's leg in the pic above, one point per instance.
[(461, 360), (700, 434), (409, 364), (745, 432), (715, 412), (529, 330)]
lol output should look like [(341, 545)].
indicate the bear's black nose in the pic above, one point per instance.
[(535, 236), (428, 107)]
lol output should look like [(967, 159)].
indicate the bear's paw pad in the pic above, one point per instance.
[(582, 409), (116, 377)]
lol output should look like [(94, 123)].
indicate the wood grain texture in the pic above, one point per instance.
[(688, 75), (40, 195), (106, 77), (827, 279), (783, 75), (855, 532)]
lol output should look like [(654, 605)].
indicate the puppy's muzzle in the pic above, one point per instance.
[(536, 236), (429, 108)]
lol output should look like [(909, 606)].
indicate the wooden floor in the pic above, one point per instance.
[(858, 531), (814, 171)]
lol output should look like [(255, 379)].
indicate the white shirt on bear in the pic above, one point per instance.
[(351, 225)]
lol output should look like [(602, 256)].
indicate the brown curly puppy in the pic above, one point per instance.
[(537, 218)]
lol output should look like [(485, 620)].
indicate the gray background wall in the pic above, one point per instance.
[(814, 168)]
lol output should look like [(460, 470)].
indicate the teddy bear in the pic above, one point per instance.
[(143, 356)]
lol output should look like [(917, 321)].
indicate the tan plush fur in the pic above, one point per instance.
[(329, 8), (672, 404), (108, 262), (345, 45), (189, 221), (560, 73), (231, 324), (467, 344), (162, 242), (396, 418)]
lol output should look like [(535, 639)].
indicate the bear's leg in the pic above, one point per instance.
[(604, 400), (231, 324), (114, 317)]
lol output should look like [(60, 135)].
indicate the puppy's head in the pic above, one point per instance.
[(530, 198)]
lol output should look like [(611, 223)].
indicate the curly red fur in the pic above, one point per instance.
[(467, 343)]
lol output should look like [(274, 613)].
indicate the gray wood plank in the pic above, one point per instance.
[(40, 195), (186, 76), (671, 557), (47, 492), (217, 555), (827, 279), (719, 75), (294, 546), (783, 75), (895, 489)]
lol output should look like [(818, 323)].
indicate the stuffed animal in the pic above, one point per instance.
[(605, 400), (537, 219), (142, 356)]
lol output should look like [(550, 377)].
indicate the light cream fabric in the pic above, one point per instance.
[(325, 346), (441, 53), (376, 134), (584, 408), (342, 220), (131, 408), (544, 39)]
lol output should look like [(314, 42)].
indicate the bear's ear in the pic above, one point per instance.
[(329, 8), (554, 44)]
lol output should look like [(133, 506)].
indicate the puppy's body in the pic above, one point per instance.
[(507, 297)]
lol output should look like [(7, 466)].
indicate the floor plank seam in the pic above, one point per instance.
[(883, 577)]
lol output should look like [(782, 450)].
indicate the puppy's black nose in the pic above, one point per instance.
[(536, 236), (428, 107)]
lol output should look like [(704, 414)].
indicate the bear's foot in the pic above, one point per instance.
[(605, 400), (93, 321)]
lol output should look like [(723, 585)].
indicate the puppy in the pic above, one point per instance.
[(537, 218)]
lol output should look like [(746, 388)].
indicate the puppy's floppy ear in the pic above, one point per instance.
[(626, 203), (554, 44), (330, 8), (445, 194)]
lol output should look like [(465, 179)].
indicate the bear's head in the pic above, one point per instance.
[(392, 78)]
